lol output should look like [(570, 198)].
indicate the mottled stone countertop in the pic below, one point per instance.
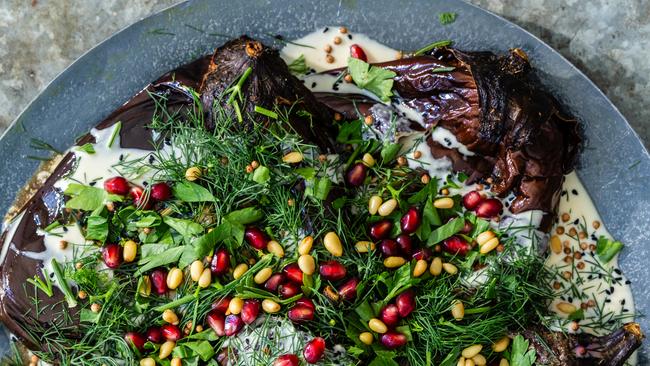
[(609, 40)]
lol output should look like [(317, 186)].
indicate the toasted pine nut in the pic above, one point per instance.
[(387, 207), (489, 246), (170, 317), (504, 362), (556, 244), (130, 251), (196, 268), (174, 278), (469, 362), (472, 351), (458, 310), (235, 305), (566, 307), (270, 306), (275, 248), (461, 361), (445, 202), (307, 264), (166, 349), (483, 237), (176, 361), (147, 362), (377, 326), (304, 247), (501, 345), (145, 289), (364, 246), (479, 360), (292, 157), (368, 160), (333, 245), (373, 204), (263, 275), (436, 266), (239, 271), (419, 268), (366, 338), (205, 279), (193, 173), (450, 268), (394, 262)]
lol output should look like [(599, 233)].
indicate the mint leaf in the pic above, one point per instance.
[(152, 257), (97, 228), (521, 355), (374, 79), (607, 248), (245, 216), (191, 192), (446, 230), (87, 198), (187, 228)]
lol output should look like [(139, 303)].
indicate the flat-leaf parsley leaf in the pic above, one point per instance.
[(372, 78)]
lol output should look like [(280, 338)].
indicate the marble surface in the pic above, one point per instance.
[(609, 40)]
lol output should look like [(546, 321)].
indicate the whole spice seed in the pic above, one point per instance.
[(368, 120), (337, 40), (329, 59), (327, 48)]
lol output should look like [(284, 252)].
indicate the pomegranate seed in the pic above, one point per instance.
[(116, 185), (348, 290), (287, 360), (140, 200), (233, 325), (159, 281), (154, 335), (250, 310), (314, 350), (303, 301), (389, 315), (392, 340), (288, 289), (136, 339), (293, 273), (255, 237), (422, 253), (161, 191), (356, 175), (220, 262), (357, 52), (221, 305), (467, 228), (274, 282), (171, 332), (112, 255), (381, 229), (410, 221), (300, 313), (389, 248), (489, 208), (472, 199), (405, 244), (456, 245), (405, 303), (216, 321), (332, 270)]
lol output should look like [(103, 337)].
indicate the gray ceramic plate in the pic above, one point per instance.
[(615, 167)]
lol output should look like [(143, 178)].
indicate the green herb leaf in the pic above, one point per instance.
[(261, 175), (384, 358), (298, 66), (577, 315), (265, 112), (245, 216), (521, 355), (204, 244), (187, 228), (607, 248), (87, 148), (389, 151), (372, 78), (62, 282), (152, 257), (116, 131), (191, 192), (87, 198), (446, 18), (97, 228), (446, 230), (432, 46), (349, 132), (319, 188)]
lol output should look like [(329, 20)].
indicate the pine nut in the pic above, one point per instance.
[(461, 361), (489, 246), (263, 275), (419, 268), (450, 268), (443, 203), (333, 244), (373, 204), (436, 266), (193, 173), (366, 338), (174, 278), (377, 326), (292, 157), (166, 349), (307, 264), (469, 362), (483, 237), (147, 362), (458, 310), (176, 361), (275, 248), (145, 288), (472, 351), (205, 279), (304, 247), (479, 360), (566, 307), (394, 262), (170, 317), (504, 362), (270, 306), (501, 345), (364, 246), (196, 268), (130, 251), (239, 271), (387, 207), (235, 305), (368, 160), (556, 244)]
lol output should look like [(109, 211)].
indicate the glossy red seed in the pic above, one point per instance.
[(255, 237), (348, 290), (112, 255), (356, 175), (216, 321), (293, 273), (405, 303), (220, 262), (221, 305), (274, 282), (405, 244), (332, 270), (140, 199), (136, 339), (467, 228), (154, 334), (389, 248), (489, 208), (288, 289), (250, 310), (300, 313), (159, 281), (357, 52), (171, 332), (456, 245), (389, 315), (422, 253), (234, 324), (161, 191), (410, 221), (306, 302), (287, 360), (381, 229), (472, 199), (116, 185), (392, 340), (314, 350)]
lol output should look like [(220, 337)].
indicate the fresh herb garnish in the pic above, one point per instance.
[(447, 18), (372, 78), (298, 66), (116, 130), (521, 355), (432, 46), (607, 248)]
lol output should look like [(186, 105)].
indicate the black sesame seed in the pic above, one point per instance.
[(623, 302), (335, 87), (608, 300), (326, 29), (563, 193), (313, 85), (151, 159), (574, 192), (121, 157), (576, 222), (145, 183), (618, 271), (92, 184), (628, 282), (569, 299), (349, 36)]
